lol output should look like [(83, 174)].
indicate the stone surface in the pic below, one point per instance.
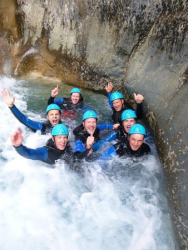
[(142, 46)]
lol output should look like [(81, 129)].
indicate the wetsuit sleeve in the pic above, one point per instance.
[(50, 100), (79, 146), (80, 151), (108, 153), (110, 137), (110, 103), (33, 154), (58, 101), (139, 110), (26, 121), (80, 155), (104, 126)]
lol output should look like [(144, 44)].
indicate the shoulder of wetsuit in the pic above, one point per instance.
[(78, 129), (54, 154), (119, 130), (121, 133), (126, 106), (50, 144), (46, 127), (96, 133), (146, 148), (117, 145), (68, 148), (122, 148)]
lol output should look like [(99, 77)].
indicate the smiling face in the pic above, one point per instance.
[(135, 141), (53, 116), (60, 141), (118, 104), (75, 98), (128, 123), (90, 125)]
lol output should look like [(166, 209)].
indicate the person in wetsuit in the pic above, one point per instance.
[(69, 106), (118, 105), (57, 148), (132, 146), (88, 133), (128, 118), (53, 115)]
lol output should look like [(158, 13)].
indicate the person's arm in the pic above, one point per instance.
[(110, 137), (24, 120), (54, 93), (81, 155), (108, 154), (84, 149), (109, 88), (139, 110), (9, 100), (110, 103), (79, 146), (80, 150), (58, 101), (33, 154), (50, 100), (104, 126)]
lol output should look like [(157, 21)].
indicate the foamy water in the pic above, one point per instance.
[(44, 208)]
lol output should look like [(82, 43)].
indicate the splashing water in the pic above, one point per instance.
[(44, 208)]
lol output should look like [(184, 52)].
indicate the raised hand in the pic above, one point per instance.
[(16, 138), (109, 87), (90, 141), (55, 91), (5, 95), (138, 98), (116, 126)]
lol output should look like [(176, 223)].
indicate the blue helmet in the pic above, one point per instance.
[(137, 129), (127, 114), (60, 129), (115, 96), (89, 114), (51, 107), (75, 90)]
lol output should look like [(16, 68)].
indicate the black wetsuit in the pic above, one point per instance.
[(81, 136), (80, 150), (116, 115), (66, 103), (123, 148)]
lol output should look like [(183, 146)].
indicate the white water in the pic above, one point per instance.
[(45, 208)]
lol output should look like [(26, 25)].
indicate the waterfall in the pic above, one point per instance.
[(30, 51)]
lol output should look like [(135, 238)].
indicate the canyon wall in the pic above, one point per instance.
[(142, 46)]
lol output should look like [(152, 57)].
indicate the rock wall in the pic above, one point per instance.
[(140, 45)]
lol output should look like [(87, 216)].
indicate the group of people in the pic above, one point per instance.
[(128, 134)]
